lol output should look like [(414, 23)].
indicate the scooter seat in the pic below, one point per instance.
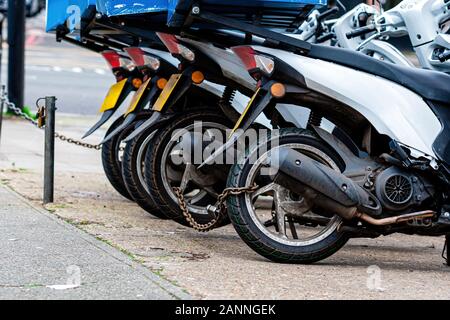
[(431, 85)]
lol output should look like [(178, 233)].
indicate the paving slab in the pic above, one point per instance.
[(43, 257)]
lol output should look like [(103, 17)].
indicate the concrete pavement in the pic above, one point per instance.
[(43, 257), (216, 265)]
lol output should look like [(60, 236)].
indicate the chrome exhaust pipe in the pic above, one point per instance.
[(397, 219)]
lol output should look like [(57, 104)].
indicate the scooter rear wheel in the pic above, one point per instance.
[(294, 231), (162, 175), (133, 166), (112, 159)]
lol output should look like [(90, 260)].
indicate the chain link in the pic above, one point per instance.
[(61, 137), (77, 142), (221, 207)]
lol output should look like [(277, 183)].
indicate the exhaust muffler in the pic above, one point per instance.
[(325, 187)]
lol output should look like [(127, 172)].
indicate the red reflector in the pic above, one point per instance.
[(116, 60), (170, 41), (247, 56), (113, 58), (137, 55)]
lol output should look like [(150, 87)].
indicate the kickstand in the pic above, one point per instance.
[(445, 251)]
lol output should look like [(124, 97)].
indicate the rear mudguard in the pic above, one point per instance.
[(171, 95), (109, 113), (161, 115), (248, 117), (125, 124), (129, 119), (156, 121), (105, 117), (262, 99)]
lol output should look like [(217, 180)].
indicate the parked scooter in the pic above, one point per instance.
[(156, 70), (431, 45), (144, 74), (365, 29), (128, 79), (168, 183), (385, 168), (142, 155), (177, 109)]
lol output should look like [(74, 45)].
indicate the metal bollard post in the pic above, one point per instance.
[(2, 106), (49, 157), (447, 253)]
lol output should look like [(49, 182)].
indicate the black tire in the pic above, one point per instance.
[(153, 163), (259, 241), (133, 182), (112, 163)]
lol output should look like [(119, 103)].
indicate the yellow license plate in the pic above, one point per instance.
[(137, 97), (246, 110), (113, 96), (166, 93)]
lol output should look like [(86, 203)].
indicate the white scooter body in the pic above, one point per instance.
[(397, 112), (233, 68)]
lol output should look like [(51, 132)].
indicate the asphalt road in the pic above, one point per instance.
[(77, 77)]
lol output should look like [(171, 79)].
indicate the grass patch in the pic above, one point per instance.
[(124, 251), (34, 285), (27, 110), (61, 206), (19, 170), (54, 207)]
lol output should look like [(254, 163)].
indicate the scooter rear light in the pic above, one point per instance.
[(116, 60), (247, 56), (142, 58), (173, 45), (254, 62)]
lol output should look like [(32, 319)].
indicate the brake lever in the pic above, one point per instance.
[(325, 37), (369, 39)]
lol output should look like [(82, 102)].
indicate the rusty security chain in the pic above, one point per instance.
[(77, 142), (40, 123), (221, 208), (20, 113)]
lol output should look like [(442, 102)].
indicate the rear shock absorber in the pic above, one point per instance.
[(226, 104), (315, 119)]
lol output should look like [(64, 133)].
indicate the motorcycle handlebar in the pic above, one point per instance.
[(360, 31), (329, 12)]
